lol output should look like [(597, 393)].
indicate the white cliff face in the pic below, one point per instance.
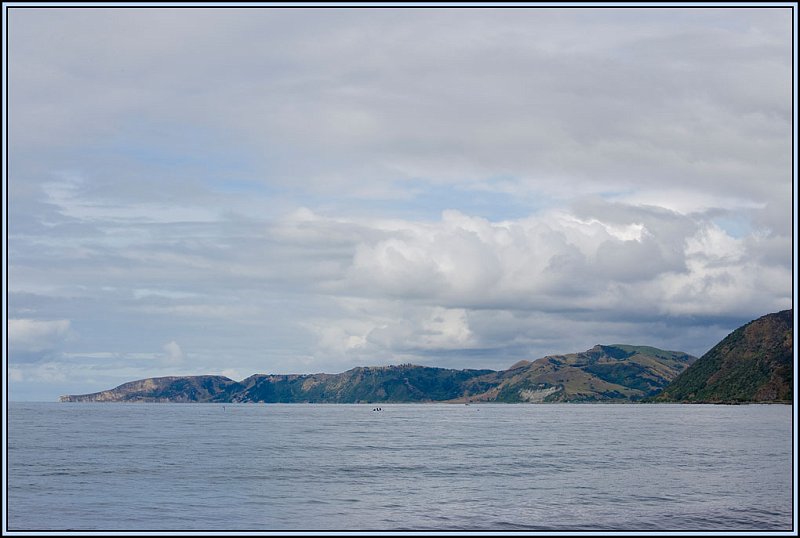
[(537, 395)]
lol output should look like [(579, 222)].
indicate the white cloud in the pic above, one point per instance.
[(33, 335), (714, 245), (464, 261), (447, 272), (173, 354), (425, 328)]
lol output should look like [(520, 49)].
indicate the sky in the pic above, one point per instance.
[(237, 191)]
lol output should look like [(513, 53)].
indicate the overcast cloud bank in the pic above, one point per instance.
[(274, 191)]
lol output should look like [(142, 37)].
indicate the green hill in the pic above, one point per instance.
[(403, 383), (752, 364), (622, 373), (603, 373)]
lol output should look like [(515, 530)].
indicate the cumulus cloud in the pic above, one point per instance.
[(371, 325), (552, 261), (449, 272)]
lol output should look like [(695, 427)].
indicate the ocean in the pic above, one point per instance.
[(427, 467)]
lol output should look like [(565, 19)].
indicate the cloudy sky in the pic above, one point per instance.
[(238, 191)]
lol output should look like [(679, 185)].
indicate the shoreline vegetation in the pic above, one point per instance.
[(753, 364)]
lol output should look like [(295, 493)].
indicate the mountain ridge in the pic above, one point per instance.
[(604, 373), (754, 363)]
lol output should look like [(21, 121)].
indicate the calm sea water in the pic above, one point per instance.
[(426, 467)]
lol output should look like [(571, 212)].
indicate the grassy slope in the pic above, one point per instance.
[(616, 372), (752, 364)]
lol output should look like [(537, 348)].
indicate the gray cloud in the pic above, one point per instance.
[(306, 190), (542, 96)]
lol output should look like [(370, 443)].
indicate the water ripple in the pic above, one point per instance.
[(416, 467)]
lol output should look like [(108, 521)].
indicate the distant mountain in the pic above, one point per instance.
[(752, 364), (603, 373)]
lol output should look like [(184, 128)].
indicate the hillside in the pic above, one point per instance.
[(161, 389), (603, 373), (403, 383), (752, 364)]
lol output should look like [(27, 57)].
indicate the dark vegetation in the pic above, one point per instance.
[(752, 364)]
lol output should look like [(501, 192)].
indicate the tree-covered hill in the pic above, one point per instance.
[(752, 364)]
